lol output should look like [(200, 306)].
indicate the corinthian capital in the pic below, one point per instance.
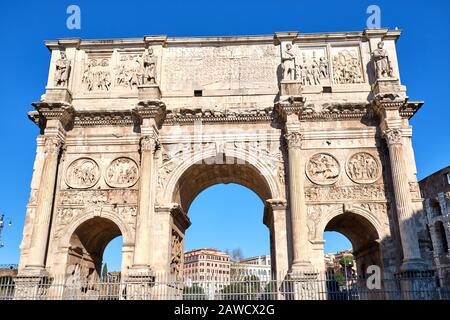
[(52, 145), (149, 142), (393, 136), (294, 140)]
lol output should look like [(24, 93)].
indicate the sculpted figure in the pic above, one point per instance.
[(149, 67), (381, 62), (288, 63), (323, 66), (62, 71)]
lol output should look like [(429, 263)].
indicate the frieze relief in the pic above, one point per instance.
[(363, 168), (323, 169), (313, 67), (337, 193), (347, 67), (128, 74), (176, 254), (122, 173), (73, 204), (82, 173), (97, 197), (97, 75)]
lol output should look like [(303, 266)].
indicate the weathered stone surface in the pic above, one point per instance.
[(133, 130)]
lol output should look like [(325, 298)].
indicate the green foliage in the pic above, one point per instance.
[(105, 272), (194, 292), (340, 278), (347, 261), (247, 289)]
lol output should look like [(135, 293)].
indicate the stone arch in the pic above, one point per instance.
[(269, 188), (364, 231), (86, 238)]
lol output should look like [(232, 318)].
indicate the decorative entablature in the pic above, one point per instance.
[(205, 116), (46, 111)]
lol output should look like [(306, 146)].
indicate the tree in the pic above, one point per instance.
[(237, 254), (105, 272), (194, 292)]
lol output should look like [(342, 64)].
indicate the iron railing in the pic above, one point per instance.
[(306, 286)]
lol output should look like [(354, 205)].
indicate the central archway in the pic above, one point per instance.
[(192, 177)]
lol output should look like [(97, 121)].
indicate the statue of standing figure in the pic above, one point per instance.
[(149, 67), (62, 71), (381, 62), (288, 63)]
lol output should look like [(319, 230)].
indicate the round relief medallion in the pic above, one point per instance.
[(82, 173), (363, 168), (323, 168), (122, 173)]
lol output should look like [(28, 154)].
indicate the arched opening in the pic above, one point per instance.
[(87, 246), (225, 202), (363, 236), (216, 170), (441, 237)]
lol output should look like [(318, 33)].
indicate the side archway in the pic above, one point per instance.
[(87, 237), (363, 230)]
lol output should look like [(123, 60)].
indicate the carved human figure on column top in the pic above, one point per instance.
[(381, 62), (288, 63), (149, 67), (62, 71)]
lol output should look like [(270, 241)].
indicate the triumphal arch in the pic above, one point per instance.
[(132, 130)]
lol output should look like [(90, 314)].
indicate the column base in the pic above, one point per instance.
[(418, 285), (302, 267), (32, 284), (413, 265), (139, 282)]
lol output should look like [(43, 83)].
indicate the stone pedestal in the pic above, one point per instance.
[(58, 94), (306, 286), (139, 285), (417, 285), (291, 88), (388, 87), (149, 92), (32, 286)]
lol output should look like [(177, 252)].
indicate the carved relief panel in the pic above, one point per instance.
[(363, 168), (346, 65), (82, 173), (313, 67), (176, 260), (122, 173), (323, 169), (97, 74)]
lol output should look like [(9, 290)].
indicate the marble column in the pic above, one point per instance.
[(45, 198), (143, 223), (297, 202), (403, 201)]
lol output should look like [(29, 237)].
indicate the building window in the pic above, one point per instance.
[(447, 175)]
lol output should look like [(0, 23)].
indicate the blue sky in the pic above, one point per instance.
[(423, 54)]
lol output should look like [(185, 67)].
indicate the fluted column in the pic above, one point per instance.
[(143, 223), (297, 202), (40, 235), (403, 201)]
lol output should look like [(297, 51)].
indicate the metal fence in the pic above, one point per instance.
[(306, 286)]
